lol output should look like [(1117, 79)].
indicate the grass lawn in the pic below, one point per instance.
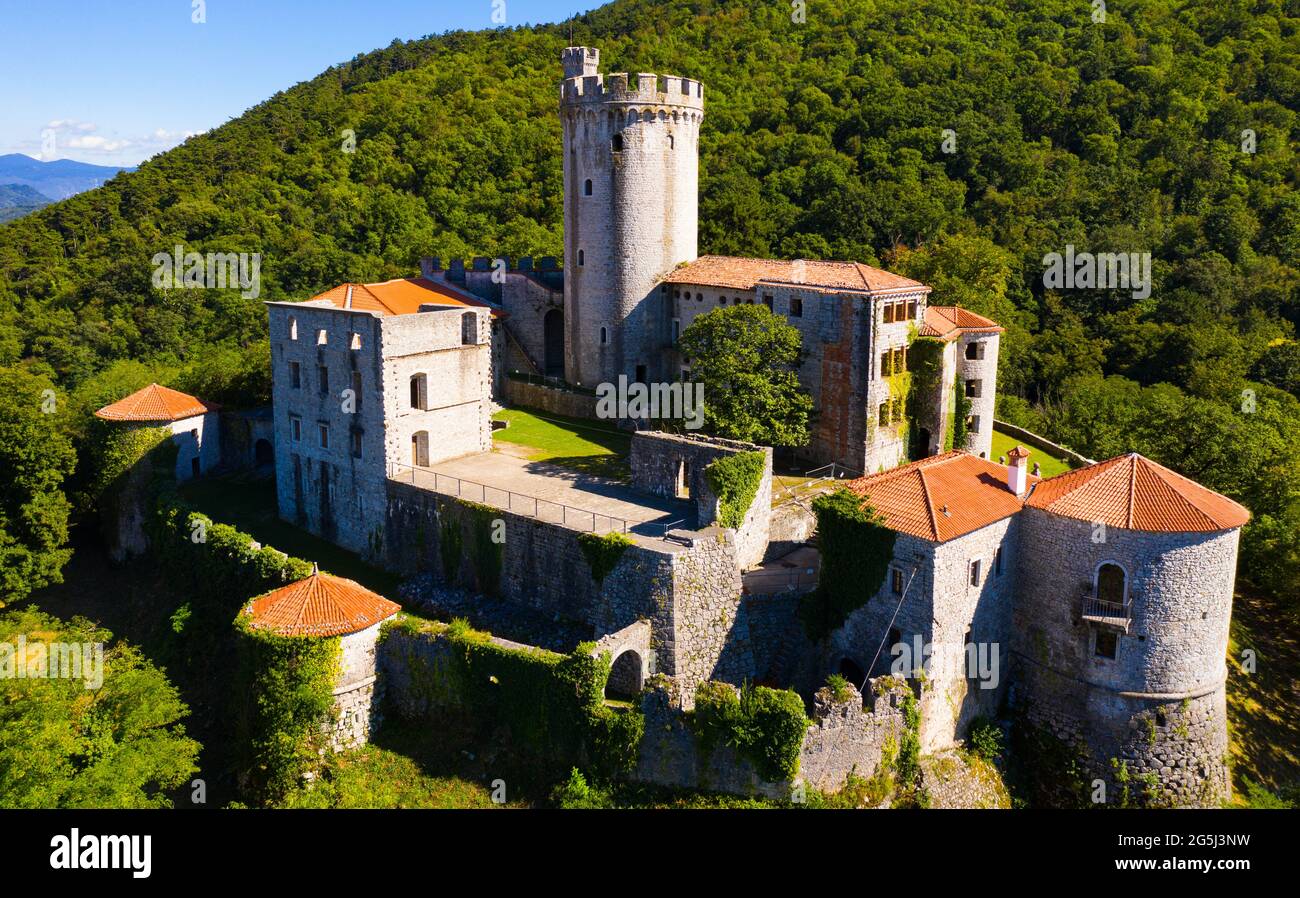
[(1263, 726), (248, 504), (585, 446), (1052, 464)]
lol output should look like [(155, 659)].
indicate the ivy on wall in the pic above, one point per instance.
[(735, 480), (925, 362), (288, 707), (603, 552), (961, 410), (765, 726), (551, 705), (856, 548), (485, 552)]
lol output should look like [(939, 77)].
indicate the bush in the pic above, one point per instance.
[(603, 552), (985, 739), (766, 726), (735, 480)]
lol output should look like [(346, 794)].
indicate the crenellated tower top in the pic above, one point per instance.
[(584, 86)]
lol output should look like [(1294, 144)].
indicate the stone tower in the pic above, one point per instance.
[(1121, 624), (631, 184)]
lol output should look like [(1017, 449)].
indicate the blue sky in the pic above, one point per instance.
[(116, 81)]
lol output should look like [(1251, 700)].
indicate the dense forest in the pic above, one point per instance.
[(957, 141)]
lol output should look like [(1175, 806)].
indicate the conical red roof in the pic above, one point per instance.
[(155, 403), (1135, 493), (320, 605)]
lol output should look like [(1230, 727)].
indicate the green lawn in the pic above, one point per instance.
[(586, 446), (248, 504), (1051, 464)]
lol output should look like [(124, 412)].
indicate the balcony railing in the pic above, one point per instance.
[(1108, 613)]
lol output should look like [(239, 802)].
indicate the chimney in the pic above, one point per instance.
[(1018, 470)]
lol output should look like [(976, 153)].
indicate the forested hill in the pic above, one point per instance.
[(1170, 128)]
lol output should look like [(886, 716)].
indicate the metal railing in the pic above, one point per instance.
[(1106, 611), (508, 500)]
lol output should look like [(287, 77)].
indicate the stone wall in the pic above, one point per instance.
[(357, 691), (661, 461), (553, 400), (984, 372), (688, 591), (844, 738)]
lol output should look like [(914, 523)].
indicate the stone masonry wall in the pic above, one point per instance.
[(844, 738), (357, 695), (548, 399), (658, 459)]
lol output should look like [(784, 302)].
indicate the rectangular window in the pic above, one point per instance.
[(900, 361), (972, 389), (767, 301), (796, 307), (975, 573), (997, 562), (973, 424), (896, 581), (295, 428), (322, 337), (889, 313), (323, 377), (295, 375), (324, 436), (356, 390), (884, 414), (911, 310), (1106, 644), (886, 364), (975, 351), (356, 443), (677, 329)]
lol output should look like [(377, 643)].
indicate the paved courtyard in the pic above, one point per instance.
[(552, 493)]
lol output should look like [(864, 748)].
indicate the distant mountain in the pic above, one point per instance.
[(16, 200), (57, 180)]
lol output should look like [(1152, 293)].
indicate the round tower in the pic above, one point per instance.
[(1121, 626), (631, 185)]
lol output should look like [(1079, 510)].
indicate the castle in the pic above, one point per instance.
[(1106, 590)]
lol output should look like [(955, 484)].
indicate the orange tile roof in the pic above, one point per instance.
[(1135, 493), (949, 322), (745, 274), (155, 403), (941, 497), (400, 296), (320, 605)]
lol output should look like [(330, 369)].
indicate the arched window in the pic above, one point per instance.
[(586, 187), (293, 328), (1112, 584), (469, 329), (418, 391), (617, 143), (582, 258)]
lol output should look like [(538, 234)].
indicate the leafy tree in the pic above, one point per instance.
[(746, 358), (35, 457), (108, 738)]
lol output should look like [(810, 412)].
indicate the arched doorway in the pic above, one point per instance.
[(263, 454), (850, 671), (553, 335), (626, 677)]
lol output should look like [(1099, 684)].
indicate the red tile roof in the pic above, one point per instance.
[(941, 497), (320, 605), (745, 274), (400, 296), (1135, 493), (950, 322), (155, 403)]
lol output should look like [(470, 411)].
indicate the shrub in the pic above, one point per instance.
[(735, 480), (766, 726), (985, 739)]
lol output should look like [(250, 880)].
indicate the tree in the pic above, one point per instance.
[(35, 457), (108, 737), (746, 358)]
